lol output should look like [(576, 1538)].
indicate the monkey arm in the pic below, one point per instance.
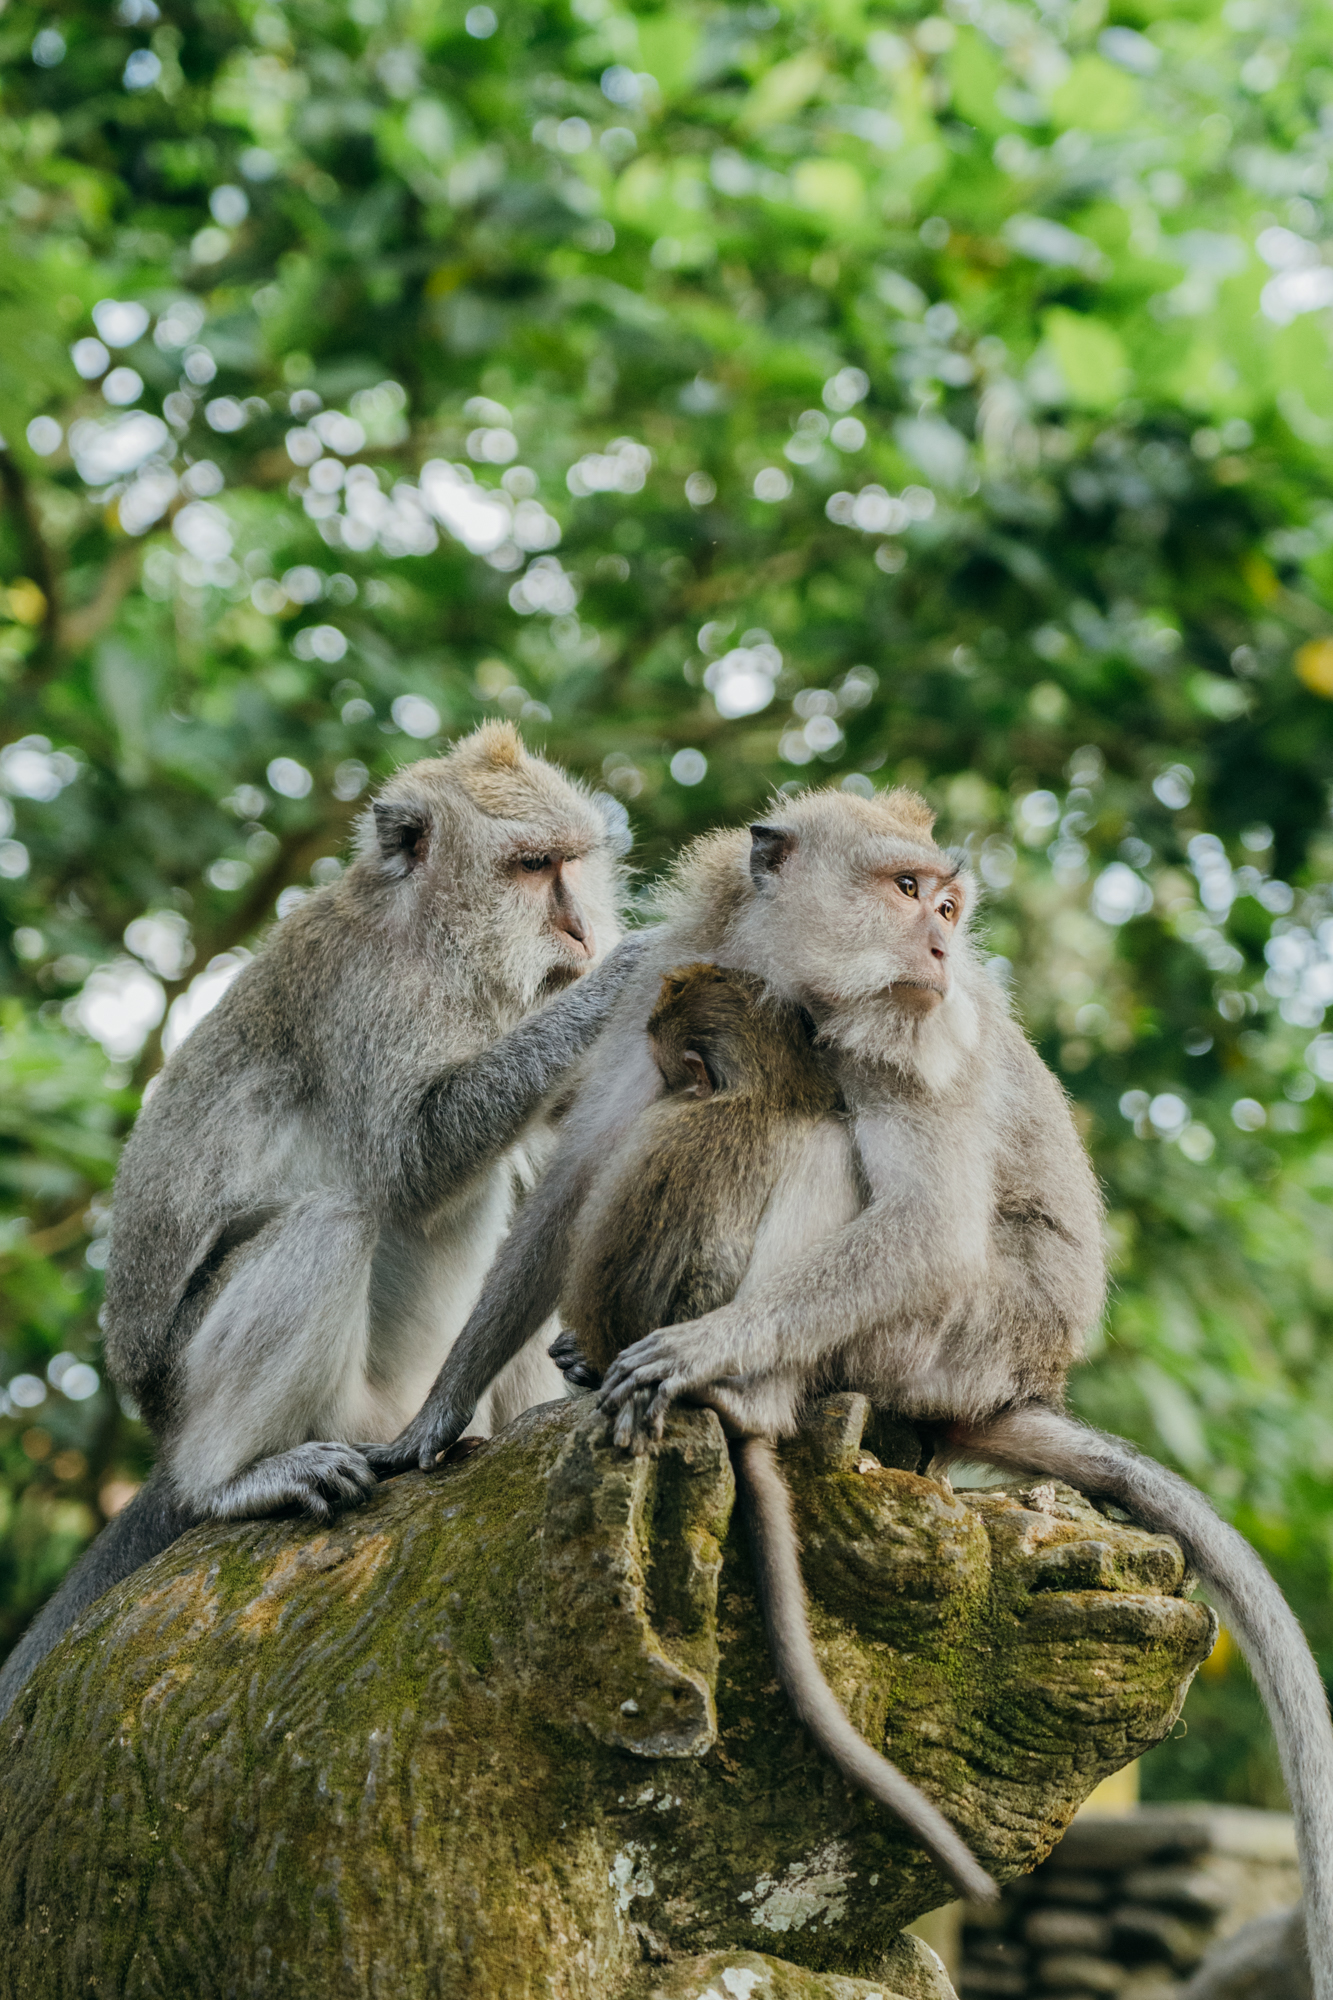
[(850, 1281), (912, 1308), (271, 1386), (523, 1285), (475, 1112)]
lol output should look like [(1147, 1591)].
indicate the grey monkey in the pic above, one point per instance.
[(742, 1164), (309, 1201), (959, 1291)]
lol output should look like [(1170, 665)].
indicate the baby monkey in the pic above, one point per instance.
[(743, 1165)]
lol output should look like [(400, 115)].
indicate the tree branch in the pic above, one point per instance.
[(78, 628), (37, 558)]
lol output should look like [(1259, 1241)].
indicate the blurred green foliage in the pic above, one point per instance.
[(735, 395)]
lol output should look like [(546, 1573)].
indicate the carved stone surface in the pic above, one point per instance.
[(512, 1732)]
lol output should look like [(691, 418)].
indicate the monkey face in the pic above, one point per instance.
[(549, 883), (925, 902), (507, 860), (844, 908), (858, 915)]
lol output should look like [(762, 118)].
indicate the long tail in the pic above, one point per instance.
[(1265, 1956), (151, 1522), (782, 1598), (1038, 1439)]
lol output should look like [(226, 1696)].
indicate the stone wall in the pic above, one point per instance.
[(1127, 1904)]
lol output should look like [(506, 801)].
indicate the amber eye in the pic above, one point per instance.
[(907, 883), (948, 909), (534, 863)]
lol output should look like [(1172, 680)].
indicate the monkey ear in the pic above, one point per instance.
[(702, 1081), (402, 830), (769, 848)]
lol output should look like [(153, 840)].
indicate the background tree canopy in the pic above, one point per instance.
[(735, 395)]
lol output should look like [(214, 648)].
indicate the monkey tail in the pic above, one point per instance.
[(1038, 1439), (782, 1598), (151, 1522)]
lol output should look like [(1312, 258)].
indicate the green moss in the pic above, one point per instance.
[(396, 1754)]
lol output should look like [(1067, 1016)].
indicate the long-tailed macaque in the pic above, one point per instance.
[(960, 1292), (744, 1163), (308, 1204)]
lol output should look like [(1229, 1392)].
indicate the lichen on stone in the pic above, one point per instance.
[(512, 1729)]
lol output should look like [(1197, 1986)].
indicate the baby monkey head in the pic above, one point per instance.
[(716, 1031), (493, 854)]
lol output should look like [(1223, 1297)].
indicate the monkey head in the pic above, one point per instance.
[(497, 857), (702, 1027), (849, 908), (715, 1029)]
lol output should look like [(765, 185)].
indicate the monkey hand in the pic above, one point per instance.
[(615, 969), (644, 1380), (578, 1373), (422, 1443)]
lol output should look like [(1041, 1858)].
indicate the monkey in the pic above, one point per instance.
[(307, 1205), (961, 1292), (743, 1089), (744, 1161)]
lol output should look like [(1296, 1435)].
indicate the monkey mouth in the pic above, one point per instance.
[(563, 973), (919, 996)]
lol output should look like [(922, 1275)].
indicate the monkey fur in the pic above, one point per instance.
[(962, 1288), (670, 1234), (670, 1229), (318, 1181)]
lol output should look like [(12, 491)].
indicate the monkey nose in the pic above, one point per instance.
[(572, 922)]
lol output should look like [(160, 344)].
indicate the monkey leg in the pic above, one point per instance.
[(274, 1379), (754, 1406), (568, 1358), (318, 1478)]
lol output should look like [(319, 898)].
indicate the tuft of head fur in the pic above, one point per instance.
[(504, 780)]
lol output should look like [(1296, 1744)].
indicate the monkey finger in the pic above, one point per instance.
[(622, 1431), (636, 1366), (627, 1430), (385, 1460), (656, 1414)]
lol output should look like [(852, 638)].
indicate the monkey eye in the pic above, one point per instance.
[(907, 883), (534, 863), (948, 909)]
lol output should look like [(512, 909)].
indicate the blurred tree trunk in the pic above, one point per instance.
[(511, 1731)]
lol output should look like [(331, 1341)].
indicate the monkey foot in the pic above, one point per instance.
[(315, 1478), (578, 1373), (464, 1448)]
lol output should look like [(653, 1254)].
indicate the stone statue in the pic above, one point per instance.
[(510, 1732)]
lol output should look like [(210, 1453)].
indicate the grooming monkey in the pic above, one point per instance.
[(960, 1291), (309, 1201), (742, 1165)]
